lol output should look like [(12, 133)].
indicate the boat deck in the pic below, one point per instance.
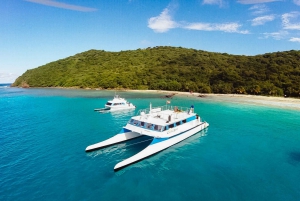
[(164, 115)]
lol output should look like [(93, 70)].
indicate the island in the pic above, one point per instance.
[(172, 69)]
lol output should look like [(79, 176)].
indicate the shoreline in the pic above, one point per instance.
[(196, 94), (278, 102), (281, 102)]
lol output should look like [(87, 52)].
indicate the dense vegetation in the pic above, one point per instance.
[(173, 68)]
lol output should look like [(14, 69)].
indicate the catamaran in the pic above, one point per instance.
[(167, 125), (117, 103)]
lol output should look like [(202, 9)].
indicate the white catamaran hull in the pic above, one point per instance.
[(113, 140), (159, 146)]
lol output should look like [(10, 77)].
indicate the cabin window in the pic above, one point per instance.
[(178, 123), (149, 126), (135, 122), (131, 121), (171, 125), (108, 103), (142, 124), (184, 121), (157, 127), (163, 128)]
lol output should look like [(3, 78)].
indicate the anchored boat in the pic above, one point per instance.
[(117, 103), (167, 125)]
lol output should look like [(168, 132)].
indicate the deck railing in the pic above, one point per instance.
[(163, 108)]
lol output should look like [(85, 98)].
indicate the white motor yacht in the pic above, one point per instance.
[(117, 103)]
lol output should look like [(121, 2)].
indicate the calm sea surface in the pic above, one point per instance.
[(249, 152)]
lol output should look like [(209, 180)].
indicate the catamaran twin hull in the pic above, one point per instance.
[(167, 125)]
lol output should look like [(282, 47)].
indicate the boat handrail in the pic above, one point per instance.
[(162, 108)]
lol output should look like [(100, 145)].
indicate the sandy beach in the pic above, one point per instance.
[(281, 102)]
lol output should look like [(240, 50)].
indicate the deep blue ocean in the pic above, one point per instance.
[(249, 152)]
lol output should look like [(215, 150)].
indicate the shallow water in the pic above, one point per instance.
[(249, 152)]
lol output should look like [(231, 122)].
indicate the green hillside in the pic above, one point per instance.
[(173, 68)]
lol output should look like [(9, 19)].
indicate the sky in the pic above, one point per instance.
[(36, 32)]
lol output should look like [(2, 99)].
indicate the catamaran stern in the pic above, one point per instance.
[(113, 140)]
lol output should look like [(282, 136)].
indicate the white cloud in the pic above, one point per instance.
[(62, 5), (276, 35), (259, 9), (255, 1), (295, 40), (214, 2), (286, 21), (297, 2), (8, 77), (226, 27), (163, 22), (262, 20)]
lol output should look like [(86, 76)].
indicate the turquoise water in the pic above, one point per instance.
[(249, 152)]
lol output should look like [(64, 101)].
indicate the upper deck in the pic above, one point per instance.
[(164, 115), (160, 119)]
